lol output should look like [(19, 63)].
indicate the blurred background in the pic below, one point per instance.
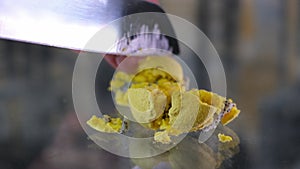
[(258, 43)]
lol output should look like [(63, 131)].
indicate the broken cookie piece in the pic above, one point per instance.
[(196, 110), (105, 124), (162, 137), (223, 138), (145, 104)]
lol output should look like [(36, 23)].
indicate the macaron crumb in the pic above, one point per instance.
[(223, 138)]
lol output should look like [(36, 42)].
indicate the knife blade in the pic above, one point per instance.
[(70, 23)]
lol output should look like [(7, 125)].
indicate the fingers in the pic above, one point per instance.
[(114, 60), (124, 63)]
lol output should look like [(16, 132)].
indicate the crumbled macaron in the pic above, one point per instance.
[(157, 98), (105, 124), (162, 137)]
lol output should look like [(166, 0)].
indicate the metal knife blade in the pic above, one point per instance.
[(66, 23)]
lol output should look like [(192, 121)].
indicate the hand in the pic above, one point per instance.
[(124, 63)]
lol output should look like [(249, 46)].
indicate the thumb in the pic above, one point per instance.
[(154, 1)]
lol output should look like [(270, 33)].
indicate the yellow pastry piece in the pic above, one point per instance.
[(105, 124), (119, 81), (146, 105), (122, 76), (223, 138), (176, 105), (228, 117), (186, 117), (212, 99), (121, 98), (192, 111), (117, 84), (204, 117), (162, 137), (206, 110), (156, 78), (218, 102)]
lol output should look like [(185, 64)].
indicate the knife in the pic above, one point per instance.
[(71, 23)]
